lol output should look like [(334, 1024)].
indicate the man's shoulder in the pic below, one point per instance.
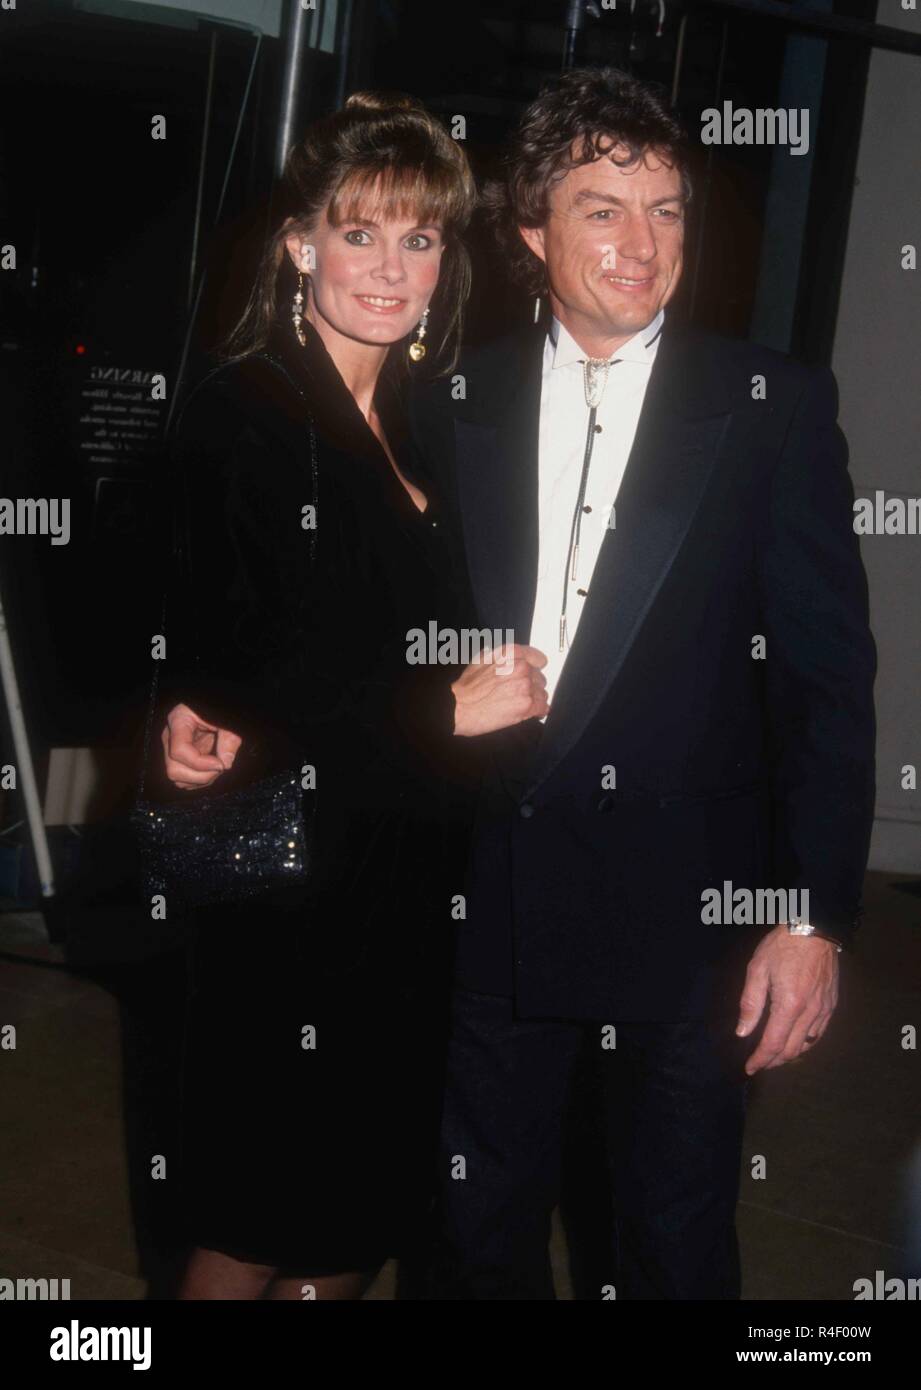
[(492, 367), (508, 348), (487, 373), (504, 357), (481, 383), (748, 369)]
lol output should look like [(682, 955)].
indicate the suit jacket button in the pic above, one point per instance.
[(526, 809), (606, 803)]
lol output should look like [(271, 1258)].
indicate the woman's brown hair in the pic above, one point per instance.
[(381, 156)]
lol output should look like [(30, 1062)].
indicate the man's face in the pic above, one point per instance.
[(612, 245)]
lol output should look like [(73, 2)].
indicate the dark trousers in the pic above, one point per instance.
[(673, 1096)]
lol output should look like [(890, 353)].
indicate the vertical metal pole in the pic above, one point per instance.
[(24, 763), (679, 58), (345, 36), (702, 223), (575, 18), (295, 42), (202, 164), (184, 355)]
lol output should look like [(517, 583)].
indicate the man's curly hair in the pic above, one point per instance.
[(583, 116)]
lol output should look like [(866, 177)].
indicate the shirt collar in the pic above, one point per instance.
[(640, 348)]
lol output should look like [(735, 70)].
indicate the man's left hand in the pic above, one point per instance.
[(800, 976)]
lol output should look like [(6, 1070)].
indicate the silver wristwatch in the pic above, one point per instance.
[(797, 927)]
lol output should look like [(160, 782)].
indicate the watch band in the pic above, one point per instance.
[(799, 928)]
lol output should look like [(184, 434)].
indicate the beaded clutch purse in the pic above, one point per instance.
[(226, 848), (229, 847)]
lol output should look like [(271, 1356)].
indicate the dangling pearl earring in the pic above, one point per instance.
[(417, 349), (297, 313)]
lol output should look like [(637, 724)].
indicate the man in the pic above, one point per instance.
[(668, 516)]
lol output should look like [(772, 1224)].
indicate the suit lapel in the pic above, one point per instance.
[(681, 428), (497, 455)]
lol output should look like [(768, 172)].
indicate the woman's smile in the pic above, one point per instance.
[(379, 304)]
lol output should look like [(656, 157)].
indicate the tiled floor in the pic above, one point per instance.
[(836, 1131)]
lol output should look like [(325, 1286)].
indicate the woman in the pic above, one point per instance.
[(315, 1020)]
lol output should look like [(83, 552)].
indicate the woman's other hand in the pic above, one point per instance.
[(196, 752), (504, 688)]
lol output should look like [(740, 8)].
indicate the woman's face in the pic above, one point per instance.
[(369, 281)]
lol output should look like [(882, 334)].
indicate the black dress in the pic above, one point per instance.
[(315, 1022)]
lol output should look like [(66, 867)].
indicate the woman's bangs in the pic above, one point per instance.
[(398, 193)]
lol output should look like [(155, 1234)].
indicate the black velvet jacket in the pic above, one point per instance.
[(307, 661)]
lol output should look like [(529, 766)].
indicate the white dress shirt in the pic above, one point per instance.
[(563, 428)]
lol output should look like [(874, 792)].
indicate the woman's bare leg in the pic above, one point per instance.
[(211, 1274)]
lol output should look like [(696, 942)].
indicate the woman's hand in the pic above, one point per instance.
[(504, 688), (196, 752)]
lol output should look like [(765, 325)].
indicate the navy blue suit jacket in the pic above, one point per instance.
[(734, 520)]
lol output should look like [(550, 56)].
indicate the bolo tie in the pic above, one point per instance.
[(594, 379)]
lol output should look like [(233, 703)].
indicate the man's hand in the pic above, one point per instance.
[(196, 752), (505, 687), (800, 974)]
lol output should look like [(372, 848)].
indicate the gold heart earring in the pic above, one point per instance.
[(417, 349)]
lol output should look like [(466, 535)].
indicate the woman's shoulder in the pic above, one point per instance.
[(246, 398)]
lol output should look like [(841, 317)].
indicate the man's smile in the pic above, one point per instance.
[(630, 283)]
